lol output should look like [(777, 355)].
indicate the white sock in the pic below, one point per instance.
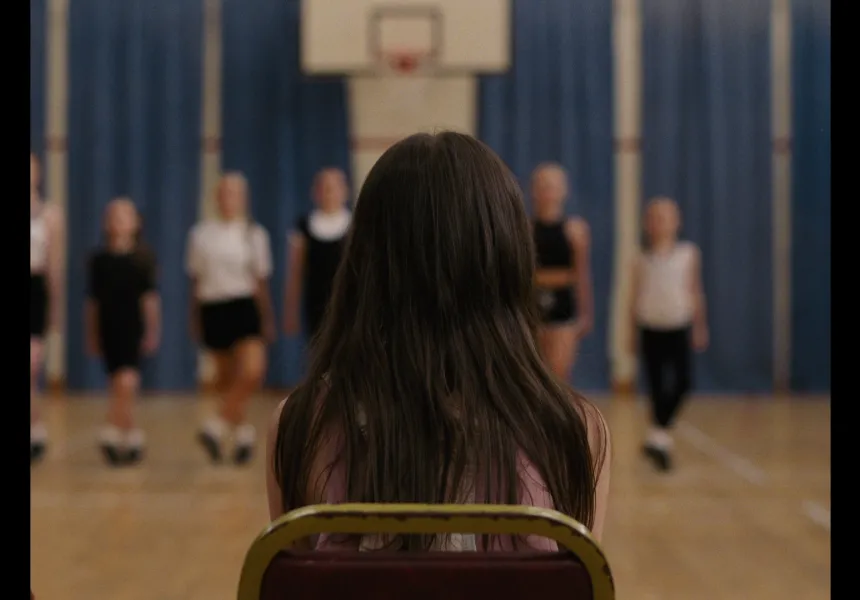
[(659, 438), (215, 427), (38, 433), (245, 435), (110, 435), (135, 439)]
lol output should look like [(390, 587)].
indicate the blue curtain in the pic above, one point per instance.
[(38, 32), (706, 143), (555, 104), (135, 128), (811, 196), (279, 128)]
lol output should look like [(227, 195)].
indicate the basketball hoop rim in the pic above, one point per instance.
[(403, 63)]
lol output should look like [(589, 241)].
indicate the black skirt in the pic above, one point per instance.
[(228, 322), (38, 305), (121, 350)]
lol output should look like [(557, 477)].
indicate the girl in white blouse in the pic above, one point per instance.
[(46, 279), (229, 262)]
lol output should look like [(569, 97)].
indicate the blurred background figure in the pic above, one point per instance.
[(229, 261), (46, 277), (123, 320), (563, 245), (668, 308), (315, 248)]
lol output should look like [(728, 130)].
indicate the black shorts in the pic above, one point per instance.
[(38, 305), (121, 350), (225, 323), (557, 306)]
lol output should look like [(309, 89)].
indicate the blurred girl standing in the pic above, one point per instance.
[(668, 314), (316, 245), (123, 323), (563, 276), (46, 279), (229, 261)]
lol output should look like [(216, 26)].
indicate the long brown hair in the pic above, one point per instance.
[(426, 365)]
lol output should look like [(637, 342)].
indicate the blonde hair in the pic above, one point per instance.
[(326, 172), (125, 201), (236, 177), (656, 201), (551, 167), (121, 201)]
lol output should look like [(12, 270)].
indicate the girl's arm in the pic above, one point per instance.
[(193, 267), (152, 320), (273, 487), (263, 296), (553, 278), (579, 238), (700, 318), (56, 282), (151, 308), (194, 312), (601, 448), (295, 277), (91, 326), (91, 310), (267, 314), (631, 307)]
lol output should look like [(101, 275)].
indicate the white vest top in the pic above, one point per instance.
[(665, 299), (38, 242)]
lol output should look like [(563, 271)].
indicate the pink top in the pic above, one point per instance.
[(532, 493)]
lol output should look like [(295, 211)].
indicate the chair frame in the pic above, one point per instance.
[(301, 523)]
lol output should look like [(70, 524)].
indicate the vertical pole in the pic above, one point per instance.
[(627, 85), (210, 147), (781, 128), (56, 163)]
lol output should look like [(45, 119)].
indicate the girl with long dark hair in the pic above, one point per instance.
[(426, 383), (123, 324)]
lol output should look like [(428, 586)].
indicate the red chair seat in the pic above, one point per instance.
[(431, 576)]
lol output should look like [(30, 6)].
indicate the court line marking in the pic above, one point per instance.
[(740, 466), (817, 513), (745, 469)]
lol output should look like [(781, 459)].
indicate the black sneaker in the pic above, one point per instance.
[(211, 444), (133, 456), (659, 457), (242, 454), (112, 455), (37, 451)]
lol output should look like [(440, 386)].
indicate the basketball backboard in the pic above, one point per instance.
[(356, 37)]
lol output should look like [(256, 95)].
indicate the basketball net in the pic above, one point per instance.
[(408, 72)]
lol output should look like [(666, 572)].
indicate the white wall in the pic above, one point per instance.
[(384, 110)]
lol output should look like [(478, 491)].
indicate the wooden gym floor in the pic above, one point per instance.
[(746, 514)]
